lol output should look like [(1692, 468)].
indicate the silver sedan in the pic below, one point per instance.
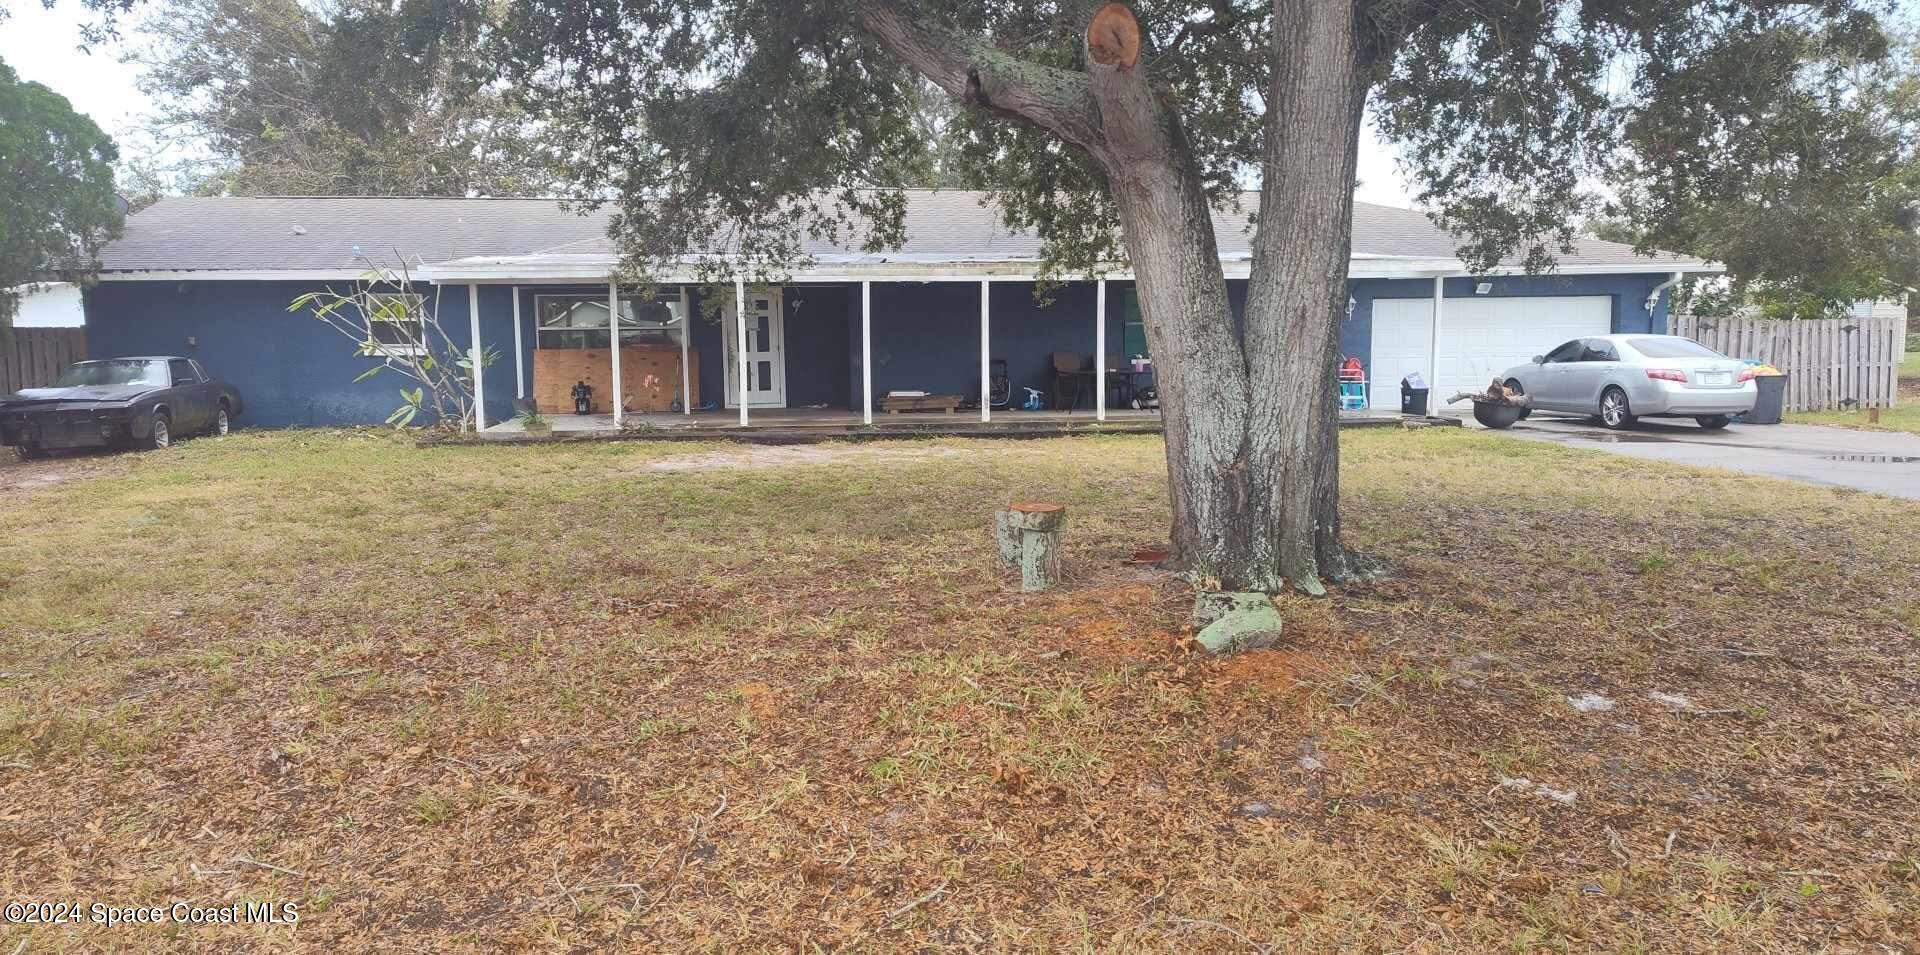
[(1622, 378)]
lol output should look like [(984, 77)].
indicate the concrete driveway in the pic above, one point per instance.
[(1880, 461)]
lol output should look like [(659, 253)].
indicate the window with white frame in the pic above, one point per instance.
[(394, 323), (580, 321)]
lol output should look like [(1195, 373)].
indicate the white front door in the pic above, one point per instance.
[(1480, 337), (766, 349)]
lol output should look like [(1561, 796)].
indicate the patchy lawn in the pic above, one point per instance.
[(662, 695), (1903, 416)]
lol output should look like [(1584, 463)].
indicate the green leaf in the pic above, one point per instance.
[(369, 373)]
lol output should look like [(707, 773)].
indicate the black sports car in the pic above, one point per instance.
[(143, 402)]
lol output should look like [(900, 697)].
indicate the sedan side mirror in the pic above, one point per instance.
[(1539, 359)]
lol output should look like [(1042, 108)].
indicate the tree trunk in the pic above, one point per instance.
[(1251, 421), (1298, 290)]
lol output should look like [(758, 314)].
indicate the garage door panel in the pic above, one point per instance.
[(1479, 337)]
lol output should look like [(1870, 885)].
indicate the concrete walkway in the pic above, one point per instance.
[(1884, 462)]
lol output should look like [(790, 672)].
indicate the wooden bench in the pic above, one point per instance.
[(894, 404)]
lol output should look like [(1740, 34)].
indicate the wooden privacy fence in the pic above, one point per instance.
[(32, 357), (1831, 363)]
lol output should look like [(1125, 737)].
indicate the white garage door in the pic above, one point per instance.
[(1480, 337)]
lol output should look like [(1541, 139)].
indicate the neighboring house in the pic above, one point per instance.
[(211, 278), (51, 305), (1878, 308)]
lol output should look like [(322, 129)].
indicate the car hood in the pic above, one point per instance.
[(88, 393)]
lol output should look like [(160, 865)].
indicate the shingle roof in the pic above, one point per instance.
[(335, 233)]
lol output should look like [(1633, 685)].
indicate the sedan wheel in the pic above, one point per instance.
[(1613, 410), (160, 433), (221, 423), (1713, 422)]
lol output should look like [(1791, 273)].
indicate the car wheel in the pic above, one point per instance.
[(1713, 422), (1514, 385), (1614, 412), (222, 422), (159, 432)]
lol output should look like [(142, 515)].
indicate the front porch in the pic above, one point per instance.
[(804, 424)]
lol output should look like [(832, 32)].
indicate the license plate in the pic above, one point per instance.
[(1716, 378)]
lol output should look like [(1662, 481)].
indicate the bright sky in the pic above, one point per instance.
[(43, 46)]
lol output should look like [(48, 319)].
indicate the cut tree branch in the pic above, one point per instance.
[(1131, 115)]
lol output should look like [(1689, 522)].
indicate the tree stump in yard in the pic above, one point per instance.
[(1029, 538)]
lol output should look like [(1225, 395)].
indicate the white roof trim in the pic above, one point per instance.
[(235, 275), (574, 269), (579, 268)]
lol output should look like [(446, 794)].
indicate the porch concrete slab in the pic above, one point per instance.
[(805, 425), (559, 423), (1883, 462)]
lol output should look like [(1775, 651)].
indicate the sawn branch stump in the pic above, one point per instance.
[(1029, 538)]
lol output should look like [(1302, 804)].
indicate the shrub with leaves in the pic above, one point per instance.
[(391, 322)]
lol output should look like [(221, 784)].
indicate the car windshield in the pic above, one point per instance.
[(117, 372), (1666, 346)]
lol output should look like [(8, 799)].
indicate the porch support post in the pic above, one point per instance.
[(1100, 352), (519, 362), (479, 370), (740, 340), (613, 343), (1433, 347), (686, 337), (986, 400), (866, 352)]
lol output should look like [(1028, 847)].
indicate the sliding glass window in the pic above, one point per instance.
[(580, 321)]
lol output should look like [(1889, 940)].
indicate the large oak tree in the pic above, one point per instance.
[(1115, 131), (57, 206), (338, 97)]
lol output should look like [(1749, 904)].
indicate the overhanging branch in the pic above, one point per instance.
[(972, 70)]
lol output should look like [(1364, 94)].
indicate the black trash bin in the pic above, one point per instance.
[(1412, 400), (1771, 403)]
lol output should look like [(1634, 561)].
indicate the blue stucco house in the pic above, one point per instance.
[(212, 278)]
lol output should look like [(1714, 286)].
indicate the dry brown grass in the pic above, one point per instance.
[(554, 698)]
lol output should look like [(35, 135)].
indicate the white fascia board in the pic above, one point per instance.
[(548, 271), (589, 269), (235, 275), (1649, 267)]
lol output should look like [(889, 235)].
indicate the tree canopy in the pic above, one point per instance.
[(57, 205), (1515, 119), (1810, 196), (341, 98)]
